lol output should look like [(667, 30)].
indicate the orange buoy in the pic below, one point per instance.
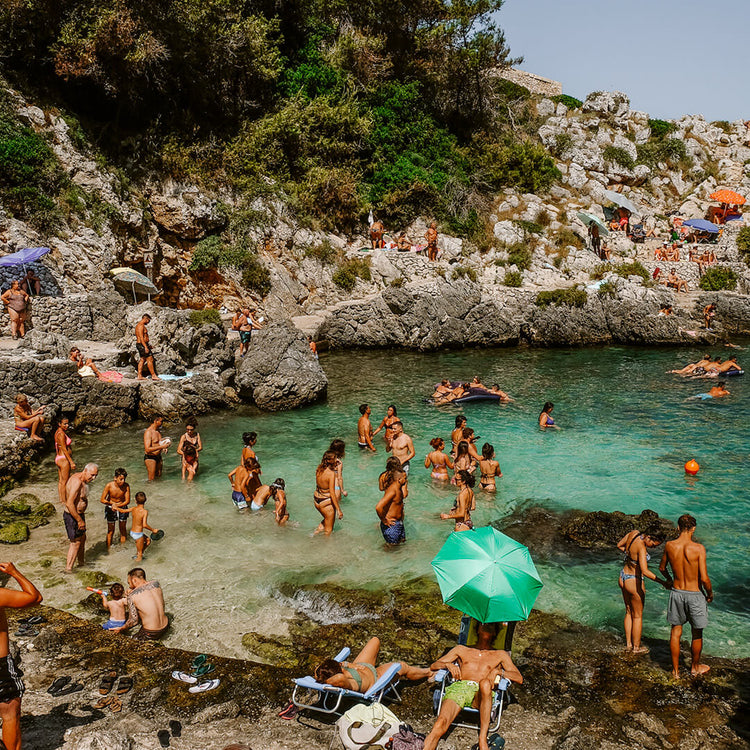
[(692, 467)]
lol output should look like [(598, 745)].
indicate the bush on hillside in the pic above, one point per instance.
[(205, 317), (513, 278), (607, 289), (565, 297), (661, 128), (569, 101), (349, 271), (600, 271), (461, 272), (564, 237), (743, 242), (324, 251), (620, 156), (256, 276), (718, 279), (634, 268), (519, 255)]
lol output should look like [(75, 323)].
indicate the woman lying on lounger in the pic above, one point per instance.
[(361, 674)]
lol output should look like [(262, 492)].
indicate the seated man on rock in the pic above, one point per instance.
[(675, 282), (145, 604), (474, 671)]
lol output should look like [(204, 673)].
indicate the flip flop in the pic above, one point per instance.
[(175, 727), (26, 632), (163, 736), (289, 711), (58, 684), (37, 620), (204, 669), (198, 661), (116, 705), (125, 685), (204, 686), (74, 687), (107, 683), (184, 677), (104, 702)]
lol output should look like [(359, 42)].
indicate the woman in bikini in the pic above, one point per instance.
[(635, 566), (390, 417), (193, 439), (463, 461), (361, 673), (339, 448), (489, 468), (545, 417), (28, 420), (438, 460), (465, 503), (63, 458), (326, 497)]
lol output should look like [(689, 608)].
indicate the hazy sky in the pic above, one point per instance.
[(672, 57)]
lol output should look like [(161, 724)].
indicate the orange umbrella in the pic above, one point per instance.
[(728, 196)]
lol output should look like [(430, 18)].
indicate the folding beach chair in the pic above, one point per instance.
[(329, 699)]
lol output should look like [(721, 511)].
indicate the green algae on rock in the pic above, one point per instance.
[(21, 513)]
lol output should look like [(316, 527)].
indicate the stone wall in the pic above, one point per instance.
[(69, 316), (534, 83)]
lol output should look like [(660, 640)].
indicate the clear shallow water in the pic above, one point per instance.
[(627, 431)]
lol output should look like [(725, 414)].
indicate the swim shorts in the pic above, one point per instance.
[(150, 635), (245, 336), (687, 606), (393, 534), (142, 353), (11, 684), (136, 535), (157, 457), (239, 500), (462, 692), (363, 446), (112, 624), (405, 467), (111, 515), (71, 526)]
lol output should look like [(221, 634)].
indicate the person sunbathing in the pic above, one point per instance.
[(86, 367), (477, 383), (474, 672), (730, 365), (504, 397), (362, 673), (675, 282), (691, 368), (443, 389), (462, 389)]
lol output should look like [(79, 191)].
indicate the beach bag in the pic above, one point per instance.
[(367, 726), (407, 739)]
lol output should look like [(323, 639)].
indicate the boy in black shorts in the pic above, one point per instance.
[(116, 498)]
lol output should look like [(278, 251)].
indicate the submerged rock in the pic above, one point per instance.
[(279, 371), (14, 533)]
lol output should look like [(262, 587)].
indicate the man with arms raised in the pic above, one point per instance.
[(145, 604), (11, 685), (691, 593), (474, 672), (402, 446), (364, 429), (74, 515), (153, 449)]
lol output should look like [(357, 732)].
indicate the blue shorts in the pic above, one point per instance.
[(393, 534), (112, 624), (239, 500)]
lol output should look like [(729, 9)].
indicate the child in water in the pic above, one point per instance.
[(189, 462), (115, 606), (140, 522), (280, 512)]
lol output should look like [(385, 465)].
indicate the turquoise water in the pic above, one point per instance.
[(626, 432)]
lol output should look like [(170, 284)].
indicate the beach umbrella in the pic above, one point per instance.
[(728, 196), (22, 257), (701, 225), (136, 281), (487, 575), (622, 201), (588, 218)]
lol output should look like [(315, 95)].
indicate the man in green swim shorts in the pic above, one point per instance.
[(475, 671)]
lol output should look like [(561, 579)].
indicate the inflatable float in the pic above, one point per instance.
[(475, 394), (732, 373)]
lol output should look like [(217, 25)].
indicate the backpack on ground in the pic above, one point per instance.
[(407, 739), (367, 726)]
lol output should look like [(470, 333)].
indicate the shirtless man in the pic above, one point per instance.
[(702, 363), (719, 390), (390, 509), (691, 592), (675, 282), (709, 311), (116, 499), (153, 450), (74, 515), (475, 671), (376, 234), (402, 446), (729, 365), (145, 604), (458, 433), (240, 478), (431, 235), (11, 684), (364, 429), (145, 352)]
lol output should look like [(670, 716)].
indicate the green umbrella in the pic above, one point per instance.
[(587, 218), (487, 575)]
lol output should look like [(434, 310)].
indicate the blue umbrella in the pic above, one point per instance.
[(701, 225), (27, 255)]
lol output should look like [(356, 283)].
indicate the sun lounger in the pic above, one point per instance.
[(330, 698)]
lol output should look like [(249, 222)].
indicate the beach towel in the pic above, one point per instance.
[(111, 376)]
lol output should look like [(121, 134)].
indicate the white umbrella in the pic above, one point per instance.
[(588, 219), (622, 201)]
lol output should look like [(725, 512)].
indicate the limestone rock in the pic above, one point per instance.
[(280, 372), (508, 232), (185, 211), (608, 102), (47, 344), (175, 400), (14, 533), (101, 739)]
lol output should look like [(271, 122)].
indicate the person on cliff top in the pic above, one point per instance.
[(326, 497), (154, 447), (16, 302), (545, 416), (402, 446), (116, 500), (11, 684), (431, 235), (63, 457), (364, 429), (74, 515), (313, 347), (376, 234), (390, 508), (474, 672), (27, 419), (246, 324), (676, 283), (402, 243), (140, 522), (691, 593), (115, 605), (391, 416), (142, 345), (635, 546), (145, 605), (363, 671)]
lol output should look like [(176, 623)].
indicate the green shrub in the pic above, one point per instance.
[(718, 278), (618, 155), (513, 278), (519, 254), (634, 268), (661, 128), (205, 317), (460, 272), (563, 142), (569, 297), (743, 242), (607, 289), (525, 165), (600, 271), (569, 101), (670, 150), (543, 218), (325, 252), (724, 125), (529, 227), (256, 276), (349, 271), (564, 237), (398, 282)]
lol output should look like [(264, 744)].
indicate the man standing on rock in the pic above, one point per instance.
[(74, 515), (402, 446), (145, 352), (431, 235), (153, 449), (145, 604), (11, 684), (691, 593)]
